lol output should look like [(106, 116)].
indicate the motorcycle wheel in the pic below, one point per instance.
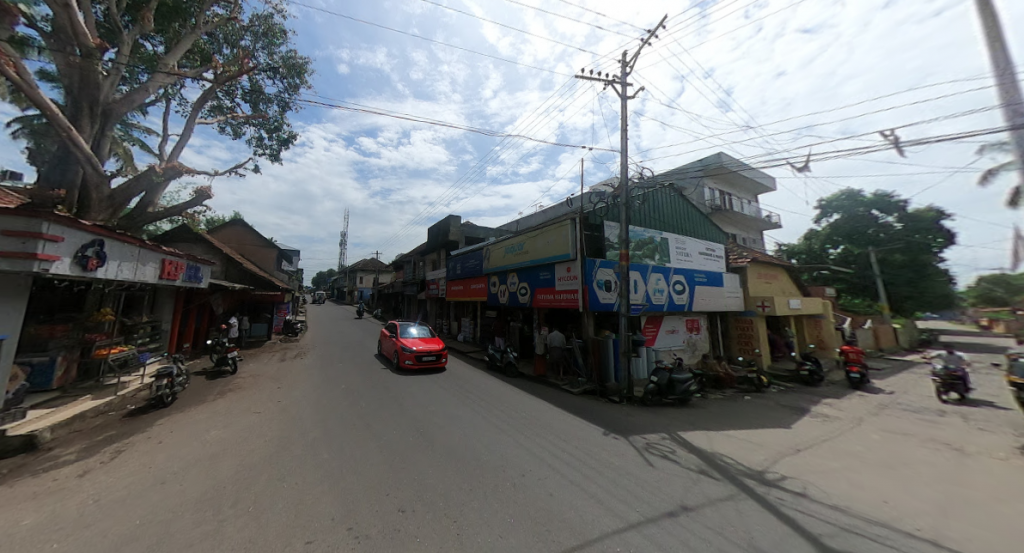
[(511, 370), (166, 396), (234, 366), (941, 395), (856, 383), (683, 400), (648, 399)]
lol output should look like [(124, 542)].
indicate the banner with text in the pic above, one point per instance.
[(550, 286), (654, 247), (662, 289)]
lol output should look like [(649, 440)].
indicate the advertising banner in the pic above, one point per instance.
[(662, 289), (687, 336), (436, 288), (654, 247), (468, 289), (533, 287), (538, 247), (466, 265)]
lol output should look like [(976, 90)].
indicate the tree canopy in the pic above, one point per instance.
[(323, 278), (91, 73), (996, 290), (909, 244)]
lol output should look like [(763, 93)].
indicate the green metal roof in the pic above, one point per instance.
[(665, 209)]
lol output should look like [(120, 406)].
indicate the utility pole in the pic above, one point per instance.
[(883, 299), (620, 85), (376, 281), (579, 239), (1006, 78)]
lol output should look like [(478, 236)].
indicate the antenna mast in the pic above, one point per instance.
[(343, 244)]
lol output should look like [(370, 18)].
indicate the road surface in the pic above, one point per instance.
[(319, 446)]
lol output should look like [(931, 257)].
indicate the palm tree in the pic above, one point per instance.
[(989, 176)]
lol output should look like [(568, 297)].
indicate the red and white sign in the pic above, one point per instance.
[(675, 332), (567, 276), (555, 298), (467, 289)]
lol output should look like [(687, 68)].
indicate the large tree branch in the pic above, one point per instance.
[(66, 14), (200, 104), (234, 170), (165, 131), (89, 18), (14, 70), (166, 69), (233, 117), (126, 40), (135, 221)]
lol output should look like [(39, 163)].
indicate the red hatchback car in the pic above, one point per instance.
[(412, 345)]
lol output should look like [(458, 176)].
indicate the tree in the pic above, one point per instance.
[(202, 218), (909, 245), (323, 279), (990, 175), (997, 290), (106, 65)]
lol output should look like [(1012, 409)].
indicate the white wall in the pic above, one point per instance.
[(14, 292)]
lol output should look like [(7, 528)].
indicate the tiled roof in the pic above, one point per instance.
[(11, 199), (741, 256), (248, 265), (368, 264)]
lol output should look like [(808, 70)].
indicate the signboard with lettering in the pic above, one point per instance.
[(530, 287), (655, 288), (537, 247), (466, 265), (467, 289), (654, 247)]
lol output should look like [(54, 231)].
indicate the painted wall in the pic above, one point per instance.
[(14, 292), (745, 335), (770, 280)]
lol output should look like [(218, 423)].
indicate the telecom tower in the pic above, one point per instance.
[(343, 245)]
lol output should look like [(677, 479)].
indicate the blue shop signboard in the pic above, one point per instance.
[(466, 265), (657, 289), (548, 286)]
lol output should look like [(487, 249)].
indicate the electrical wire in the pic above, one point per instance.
[(574, 20), (595, 12)]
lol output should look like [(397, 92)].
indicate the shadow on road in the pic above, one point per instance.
[(212, 373)]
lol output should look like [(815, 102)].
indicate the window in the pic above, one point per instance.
[(416, 331), (391, 328), (360, 280), (733, 237)]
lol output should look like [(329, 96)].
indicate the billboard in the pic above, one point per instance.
[(537, 247), (543, 287), (654, 247), (654, 289), (466, 265), (468, 289)]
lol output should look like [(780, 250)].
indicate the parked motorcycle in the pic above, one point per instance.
[(857, 375), (947, 381), (223, 354), (292, 328), (1015, 375), (809, 369), (750, 375), (503, 359), (168, 382), (672, 383)]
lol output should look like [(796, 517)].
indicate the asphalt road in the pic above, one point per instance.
[(319, 446)]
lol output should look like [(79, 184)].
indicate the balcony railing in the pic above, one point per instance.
[(746, 207)]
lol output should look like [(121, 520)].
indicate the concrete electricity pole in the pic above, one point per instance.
[(883, 299), (621, 86), (1006, 78)]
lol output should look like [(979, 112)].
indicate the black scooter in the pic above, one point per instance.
[(359, 312), (857, 375), (505, 360), (672, 383), (168, 382), (223, 354), (808, 368)]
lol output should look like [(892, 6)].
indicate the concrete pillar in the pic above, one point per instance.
[(14, 293)]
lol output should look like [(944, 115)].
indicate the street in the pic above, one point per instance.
[(320, 446)]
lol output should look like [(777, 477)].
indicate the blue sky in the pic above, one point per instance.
[(728, 69)]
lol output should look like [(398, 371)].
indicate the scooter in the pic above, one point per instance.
[(949, 381), (292, 328), (359, 312), (751, 376), (856, 374), (672, 383), (223, 354), (808, 367), (168, 382), (504, 359)]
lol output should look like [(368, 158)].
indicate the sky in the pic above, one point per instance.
[(762, 80)]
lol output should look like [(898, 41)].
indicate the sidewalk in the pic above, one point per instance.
[(471, 350)]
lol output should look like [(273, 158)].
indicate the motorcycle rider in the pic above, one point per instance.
[(853, 355), (953, 360)]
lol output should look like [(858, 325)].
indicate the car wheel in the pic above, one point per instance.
[(379, 350), (395, 360)]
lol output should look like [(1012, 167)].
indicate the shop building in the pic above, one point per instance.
[(779, 317), (237, 288), (81, 301), (359, 280)]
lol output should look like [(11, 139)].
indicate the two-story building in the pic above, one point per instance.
[(360, 281)]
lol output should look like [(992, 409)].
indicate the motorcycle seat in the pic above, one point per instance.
[(162, 371), (681, 377)]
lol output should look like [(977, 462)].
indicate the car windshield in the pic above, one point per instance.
[(415, 331)]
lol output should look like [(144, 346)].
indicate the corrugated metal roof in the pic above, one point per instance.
[(665, 209)]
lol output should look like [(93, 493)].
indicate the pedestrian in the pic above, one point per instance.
[(556, 351), (233, 330), (498, 330), (727, 374), (246, 328)]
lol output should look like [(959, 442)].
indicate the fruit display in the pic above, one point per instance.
[(112, 350)]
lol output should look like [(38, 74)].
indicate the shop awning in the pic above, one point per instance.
[(229, 285)]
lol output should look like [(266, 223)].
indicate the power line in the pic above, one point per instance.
[(421, 37), (595, 12), (477, 130), (574, 20), (511, 28)]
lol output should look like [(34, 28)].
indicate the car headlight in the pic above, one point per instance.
[(407, 350), (209, 342)]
